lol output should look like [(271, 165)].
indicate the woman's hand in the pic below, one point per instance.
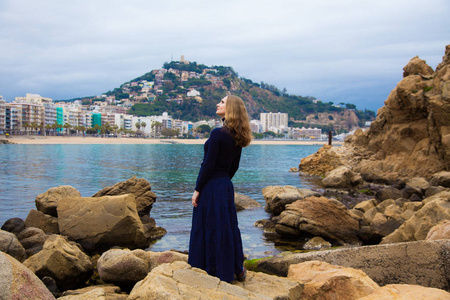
[(195, 198)]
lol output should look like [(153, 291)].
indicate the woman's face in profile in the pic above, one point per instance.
[(221, 107)]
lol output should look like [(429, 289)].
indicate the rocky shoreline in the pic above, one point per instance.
[(393, 243)]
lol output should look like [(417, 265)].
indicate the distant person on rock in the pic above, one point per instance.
[(215, 242)]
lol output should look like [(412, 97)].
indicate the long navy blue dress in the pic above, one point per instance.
[(215, 242)]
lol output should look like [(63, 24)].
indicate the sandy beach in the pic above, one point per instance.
[(56, 140)]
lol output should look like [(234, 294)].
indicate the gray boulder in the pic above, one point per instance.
[(19, 282), (14, 225), (9, 244)]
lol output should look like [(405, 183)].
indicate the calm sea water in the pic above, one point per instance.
[(29, 170)]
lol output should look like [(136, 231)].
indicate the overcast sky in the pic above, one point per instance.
[(336, 51)]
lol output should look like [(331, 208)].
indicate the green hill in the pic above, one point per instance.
[(165, 90)]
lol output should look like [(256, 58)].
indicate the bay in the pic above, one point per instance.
[(171, 169)]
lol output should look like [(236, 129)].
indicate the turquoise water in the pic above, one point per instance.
[(29, 170)]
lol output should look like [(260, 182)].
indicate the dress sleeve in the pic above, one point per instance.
[(209, 161), (235, 163)]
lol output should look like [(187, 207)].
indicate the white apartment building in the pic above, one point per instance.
[(276, 122), (33, 99), (256, 126), (184, 127), (2, 115)]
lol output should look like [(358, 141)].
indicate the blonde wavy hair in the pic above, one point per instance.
[(236, 121)]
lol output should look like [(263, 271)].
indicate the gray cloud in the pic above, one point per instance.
[(339, 51)]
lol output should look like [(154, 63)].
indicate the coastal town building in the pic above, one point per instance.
[(276, 122), (2, 115), (41, 115), (305, 133)]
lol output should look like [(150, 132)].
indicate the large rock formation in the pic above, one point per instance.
[(423, 263), (99, 223), (410, 136)]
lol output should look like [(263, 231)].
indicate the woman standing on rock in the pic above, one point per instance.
[(215, 243)]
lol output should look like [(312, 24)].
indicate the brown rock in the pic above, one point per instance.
[(179, 281), (139, 187), (32, 239), (410, 136), (407, 292), (341, 177), (441, 178), (325, 281), (38, 219), (47, 202), (125, 267), (319, 216), (417, 227), (104, 291), (277, 197), (321, 162), (99, 223), (423, 263), (62, 261), (440, 231), (243, 202), (18, 282)]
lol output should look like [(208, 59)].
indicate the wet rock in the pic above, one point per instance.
[(319, 216), (277, 197), (9, 244), (388, 193), (14, 225), (316, 243), (243, 202), (47, 202), (18, 282)]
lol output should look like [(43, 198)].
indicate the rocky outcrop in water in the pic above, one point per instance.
[(410, 136)]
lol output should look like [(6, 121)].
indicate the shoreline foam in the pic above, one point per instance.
[(52, 140)]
